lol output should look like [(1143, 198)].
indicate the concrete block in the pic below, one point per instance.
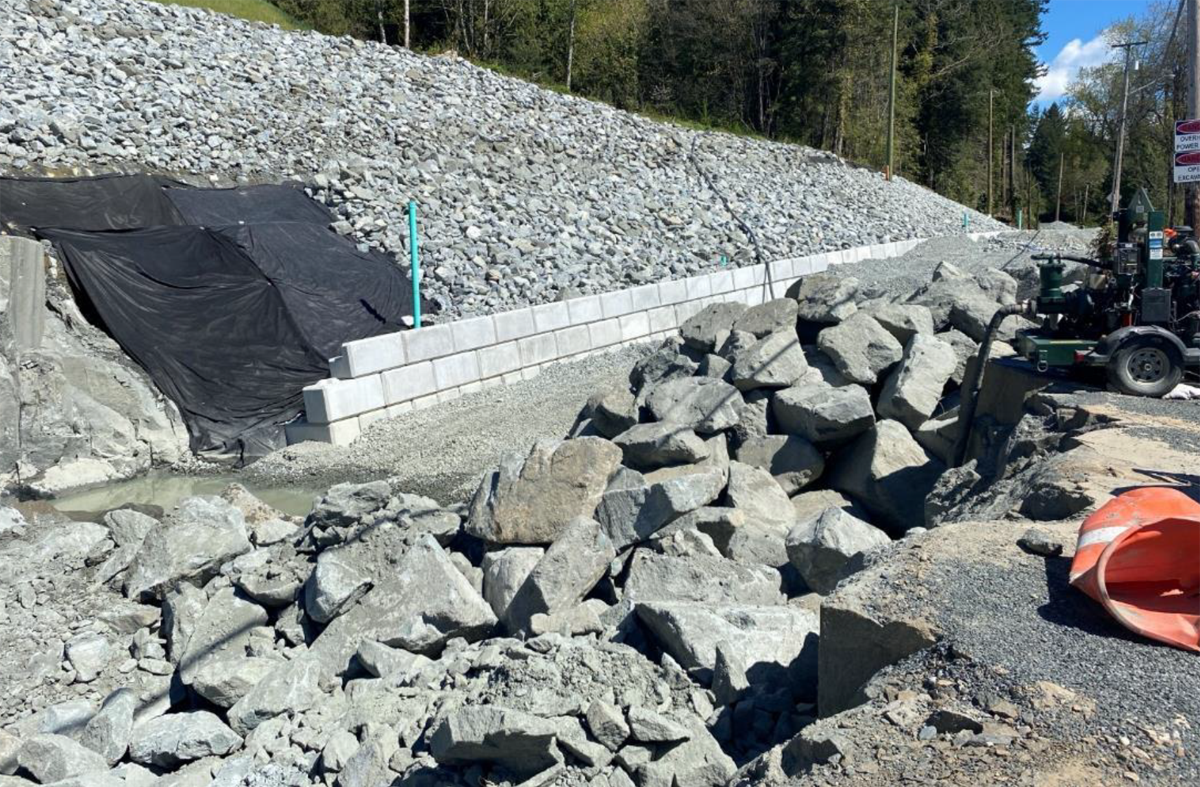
[(537, 349), (530, 372), (369, 356), (698, 287), (447, 396), (338, 433), (394, 410), (23, 264), (614, 304), (425, 343), (781, 270), (424, 402), (605, 333), (634, 326), (584, 310), (408, 382), (551, 316), (670, 292), (819, 263), (367, 419), (574, 340), (492, 382), (473, 333), (662, 319), (333, 400), (722, 282), (756, 296), (498, 359), (802, 266), (455, 370), (512, 378), (470, 388), (644, 297), (513, 325), (749, 276)]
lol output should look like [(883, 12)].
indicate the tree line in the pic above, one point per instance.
[(809, 71)]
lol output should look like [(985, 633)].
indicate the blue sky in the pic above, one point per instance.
[(1075, 38)]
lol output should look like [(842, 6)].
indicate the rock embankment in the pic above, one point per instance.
[(526, 195)]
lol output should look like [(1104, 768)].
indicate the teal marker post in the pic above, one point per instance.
[(416, 262)]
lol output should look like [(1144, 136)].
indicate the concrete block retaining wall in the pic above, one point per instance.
[(386, 376)]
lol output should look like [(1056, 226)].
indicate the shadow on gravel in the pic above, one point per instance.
[(1071, 608), (1188, 483)]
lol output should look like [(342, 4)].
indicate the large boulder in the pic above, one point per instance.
[(826, 298), (757, 494), (222, 629), (704, 404), (700, 579), (775, 361), (902, 320), (612, 411), (646, 446), (824, 415), (190, 544), (767, 318), (636, 506), (914, 388), (706, 329), (346, 505), (422, 604), (290, 688), (335, 584), (225, 681), (793, 461), (861, 348), (504, 571), (570, 568), (108, 731), (822, 547), (532, 500), (517, 741), (887, 471), (666, 363), (51, 758), (778, 644), (171, 740)]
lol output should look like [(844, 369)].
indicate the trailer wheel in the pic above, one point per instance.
[(1145, 365)]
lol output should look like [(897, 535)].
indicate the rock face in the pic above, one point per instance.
[(570, 568), (775, 361), (522, 743), (861, 348), (701, 403), (822, 547), (914, 388), (612, 411), (532, 500), (707, 328), (755, 492), (889, 473), (168, 741), (53, 758), (504, 572), (646, 446), (791, 460), (767, 318), (823, 415), (192, 543), (827, 298)]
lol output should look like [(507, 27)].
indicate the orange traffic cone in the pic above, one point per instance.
[(1139, 556)]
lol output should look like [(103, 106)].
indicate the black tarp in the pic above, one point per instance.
[(104, 202), (233, 322), (246, 205)]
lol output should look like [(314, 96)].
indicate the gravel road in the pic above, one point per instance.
[(442, 451)]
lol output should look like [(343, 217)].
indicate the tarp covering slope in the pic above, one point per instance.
[(104, 202)]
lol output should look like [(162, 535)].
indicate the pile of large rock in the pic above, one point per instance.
[(526, 195)]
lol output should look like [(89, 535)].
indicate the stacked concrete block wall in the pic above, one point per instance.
[(386, 376)]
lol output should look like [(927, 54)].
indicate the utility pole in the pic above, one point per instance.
[(1058, 203), (891, 134), (1120, 154), (991, 152), (407, 27), (1191, 194), (1012, 170), (571, 46)]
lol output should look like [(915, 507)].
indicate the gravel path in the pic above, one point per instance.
[(442, 451)]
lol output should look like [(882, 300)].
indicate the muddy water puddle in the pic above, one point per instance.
[(165, 490)]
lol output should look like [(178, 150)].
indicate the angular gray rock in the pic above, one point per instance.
[(887, 471), (424, 603), (810, 504), (860, 348), (714, 366), (793, 461), (570, 568), (822, 547), (758, 495), (345, 505), (647, 726), (108, 732), (504, 571), (823, 415), (393, 664), (368, 765), (51, 758), (706, 328), (697, 762), (827, 298), (634, 508), (704, 404), (190, 544), (171, 740), (531, 500), (971, 315), (291, 687), (699, 579), (222, 629), (89, 653), (776, 361), (902, 320), (647, 446), (914, 388), (666, 363), (333, 586), (226, 680), (607, 724), (612, 411), (520, 742), (729, 682), (767, 318)]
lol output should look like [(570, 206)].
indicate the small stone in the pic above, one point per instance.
[(1038, 542)]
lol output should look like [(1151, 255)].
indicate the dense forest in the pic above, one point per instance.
[(817, 72)]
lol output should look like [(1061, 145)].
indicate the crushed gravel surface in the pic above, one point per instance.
[(442, 451)]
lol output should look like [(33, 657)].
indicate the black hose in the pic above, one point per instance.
[(971, 385)]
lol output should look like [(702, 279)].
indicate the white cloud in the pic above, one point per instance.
[(1066, 64)]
